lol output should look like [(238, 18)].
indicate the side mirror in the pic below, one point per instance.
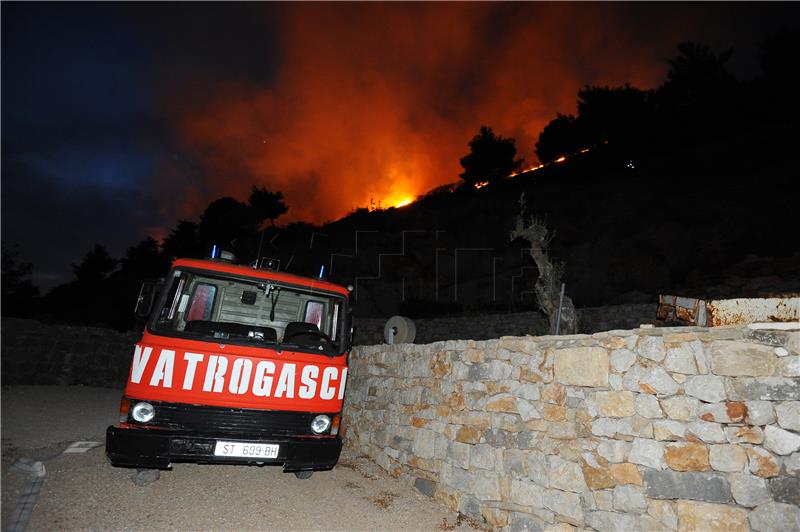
[(147, 296)]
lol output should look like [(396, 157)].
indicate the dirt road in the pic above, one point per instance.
[(82, 491)]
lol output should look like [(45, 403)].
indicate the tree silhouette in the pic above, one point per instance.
[(18, 291), (778, 55), (95, 267), (183, 241), (562, 136), (267, 205), (491, 158), (620, 115), (695, 101)]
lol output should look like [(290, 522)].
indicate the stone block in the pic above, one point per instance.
[(614, 450), (652, 348), (537, 468), (564, 430), (789, 415), (792, 464), (503, 402), (727, 412), (647, 406), (526, 493), (789, 366), (626, 473), (775, 516), (424, 443), (681, 359), (615, 404), (749, 490), (629, 499), (564, 475), (696, 486), (707, 431), (470, 506), (664, 513), (765, 389), (529, 392), (566, 505), (603, 500), (744, 435), (425, 486), (527, 410), (485, 486), (612, 521), (586, 366), (762, 463), (633, 377), (596, 474), (648, 453), (780, 441), (524, 523), (483, 456), (785, 489), (612, 427), (657, 381), (498, 438), (458, 454), (668, 430), (680, 407), (742, 359), (686, 456), (708, 388), (622, 359), (554, 394), (728, 458), (514, 463), (701, 517), (468, 435), (552, 412)]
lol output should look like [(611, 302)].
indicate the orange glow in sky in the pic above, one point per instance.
[(369, 103)]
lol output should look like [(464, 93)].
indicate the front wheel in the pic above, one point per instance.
[(303, 474)]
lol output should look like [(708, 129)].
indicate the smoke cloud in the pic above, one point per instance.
[(377, 102)]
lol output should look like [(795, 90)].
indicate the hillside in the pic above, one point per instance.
[(723, 226)]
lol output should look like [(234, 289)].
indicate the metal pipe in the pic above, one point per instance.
[(560, 303)]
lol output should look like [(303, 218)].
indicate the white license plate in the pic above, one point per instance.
[(238, 449)]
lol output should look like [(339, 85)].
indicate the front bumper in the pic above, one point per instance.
[(158, 449)]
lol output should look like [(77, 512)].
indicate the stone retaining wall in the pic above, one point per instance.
[(37, 353), (647, 429), (486, 326)]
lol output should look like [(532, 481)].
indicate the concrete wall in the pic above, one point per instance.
[(486, 326), (647, 429)]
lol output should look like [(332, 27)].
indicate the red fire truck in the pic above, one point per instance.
[(236, 365)]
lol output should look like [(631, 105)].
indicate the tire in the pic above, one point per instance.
[(303, 475)]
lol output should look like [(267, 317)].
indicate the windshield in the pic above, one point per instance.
[(214, 307)]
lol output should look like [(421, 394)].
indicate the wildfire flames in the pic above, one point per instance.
[(371, 99)]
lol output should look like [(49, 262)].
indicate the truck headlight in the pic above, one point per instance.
[(143, 412), (320, 424)]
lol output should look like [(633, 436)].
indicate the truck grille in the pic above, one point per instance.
[(232, 420)]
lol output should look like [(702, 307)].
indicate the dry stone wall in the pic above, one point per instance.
[(646, 429), (39, 353)]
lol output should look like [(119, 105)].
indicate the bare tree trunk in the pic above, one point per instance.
[(548, 285)]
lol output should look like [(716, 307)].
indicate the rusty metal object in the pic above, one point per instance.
[(719, 312)]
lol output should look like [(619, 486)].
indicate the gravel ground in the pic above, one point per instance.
[(82, 491)]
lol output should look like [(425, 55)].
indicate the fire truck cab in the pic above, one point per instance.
[(236, 365)]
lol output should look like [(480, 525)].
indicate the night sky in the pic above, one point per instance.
[(120, 119)]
